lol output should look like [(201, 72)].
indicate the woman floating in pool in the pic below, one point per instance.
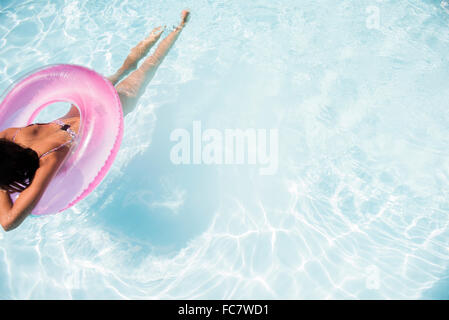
[(30, 156)]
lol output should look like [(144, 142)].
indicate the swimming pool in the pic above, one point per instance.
[(358, 207)]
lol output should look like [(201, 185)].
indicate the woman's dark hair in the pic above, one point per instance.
[(18, 166)]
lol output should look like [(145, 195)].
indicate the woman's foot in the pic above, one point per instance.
[(185, 15), (156, 33)]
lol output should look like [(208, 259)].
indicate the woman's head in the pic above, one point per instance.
[(18, 166)]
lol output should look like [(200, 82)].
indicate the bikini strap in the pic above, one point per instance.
[(55, 149), (15, 134), (70, 131), (61, 123), (67, 128)]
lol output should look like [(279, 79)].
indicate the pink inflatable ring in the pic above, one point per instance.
[(99, 135)]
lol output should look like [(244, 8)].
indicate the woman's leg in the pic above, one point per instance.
[(136, 54), (131, 88)]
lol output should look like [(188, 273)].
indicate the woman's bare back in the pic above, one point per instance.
[(46, 136)]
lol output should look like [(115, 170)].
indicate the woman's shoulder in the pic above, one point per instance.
[(8, 133)]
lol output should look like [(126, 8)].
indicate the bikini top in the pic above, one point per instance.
[(65, 127)]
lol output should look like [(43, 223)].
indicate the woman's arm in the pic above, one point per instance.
[(13, 214)]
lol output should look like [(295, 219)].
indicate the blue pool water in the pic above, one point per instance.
[(359, 206)]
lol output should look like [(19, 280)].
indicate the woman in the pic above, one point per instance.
[(30, 156)]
